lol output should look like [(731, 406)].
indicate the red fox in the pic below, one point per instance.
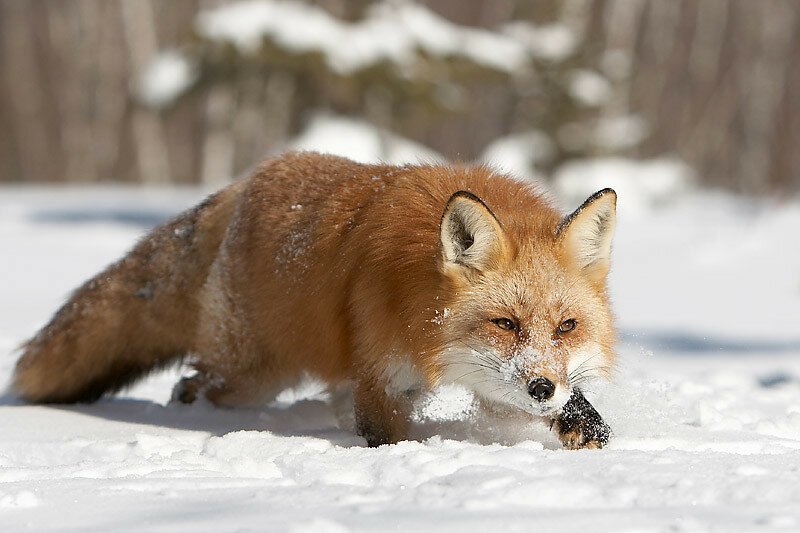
[(392, 279)]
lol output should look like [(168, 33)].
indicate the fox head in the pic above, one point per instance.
[(529, 317)]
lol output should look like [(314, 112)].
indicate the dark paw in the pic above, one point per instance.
[(580, 426), (188, 389), (373, 437), (199, 386)]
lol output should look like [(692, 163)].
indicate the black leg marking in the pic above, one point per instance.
[(580, 425), (374, 436)]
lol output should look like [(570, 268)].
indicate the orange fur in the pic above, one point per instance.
[(316, 264)]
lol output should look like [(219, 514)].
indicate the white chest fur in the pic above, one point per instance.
[(402, 377)]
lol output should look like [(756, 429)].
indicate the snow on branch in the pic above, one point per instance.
[(395, 32), (408, 38)]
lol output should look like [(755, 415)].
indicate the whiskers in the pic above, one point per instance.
[(479, 360), (489, 375), (583, 373)]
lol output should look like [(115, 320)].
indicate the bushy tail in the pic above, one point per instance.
[(136, 316)]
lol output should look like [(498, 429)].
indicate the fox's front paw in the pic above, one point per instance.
[(580, 425)]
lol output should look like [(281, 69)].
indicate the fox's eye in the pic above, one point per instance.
[(567, 326), (505, 323)]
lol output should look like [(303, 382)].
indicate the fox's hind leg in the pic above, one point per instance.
[(231, 368), (235, 390)]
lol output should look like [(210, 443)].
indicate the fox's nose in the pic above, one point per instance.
[(541, 388)]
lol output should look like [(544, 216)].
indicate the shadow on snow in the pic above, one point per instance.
[(139, 217), (303, 418), (690, 343)]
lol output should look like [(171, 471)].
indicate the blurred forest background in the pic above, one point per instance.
[(194, 91)]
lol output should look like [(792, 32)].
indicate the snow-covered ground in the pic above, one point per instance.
[(705, 405)]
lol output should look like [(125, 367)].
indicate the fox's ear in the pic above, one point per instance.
[(470, 233), (586, 234)]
